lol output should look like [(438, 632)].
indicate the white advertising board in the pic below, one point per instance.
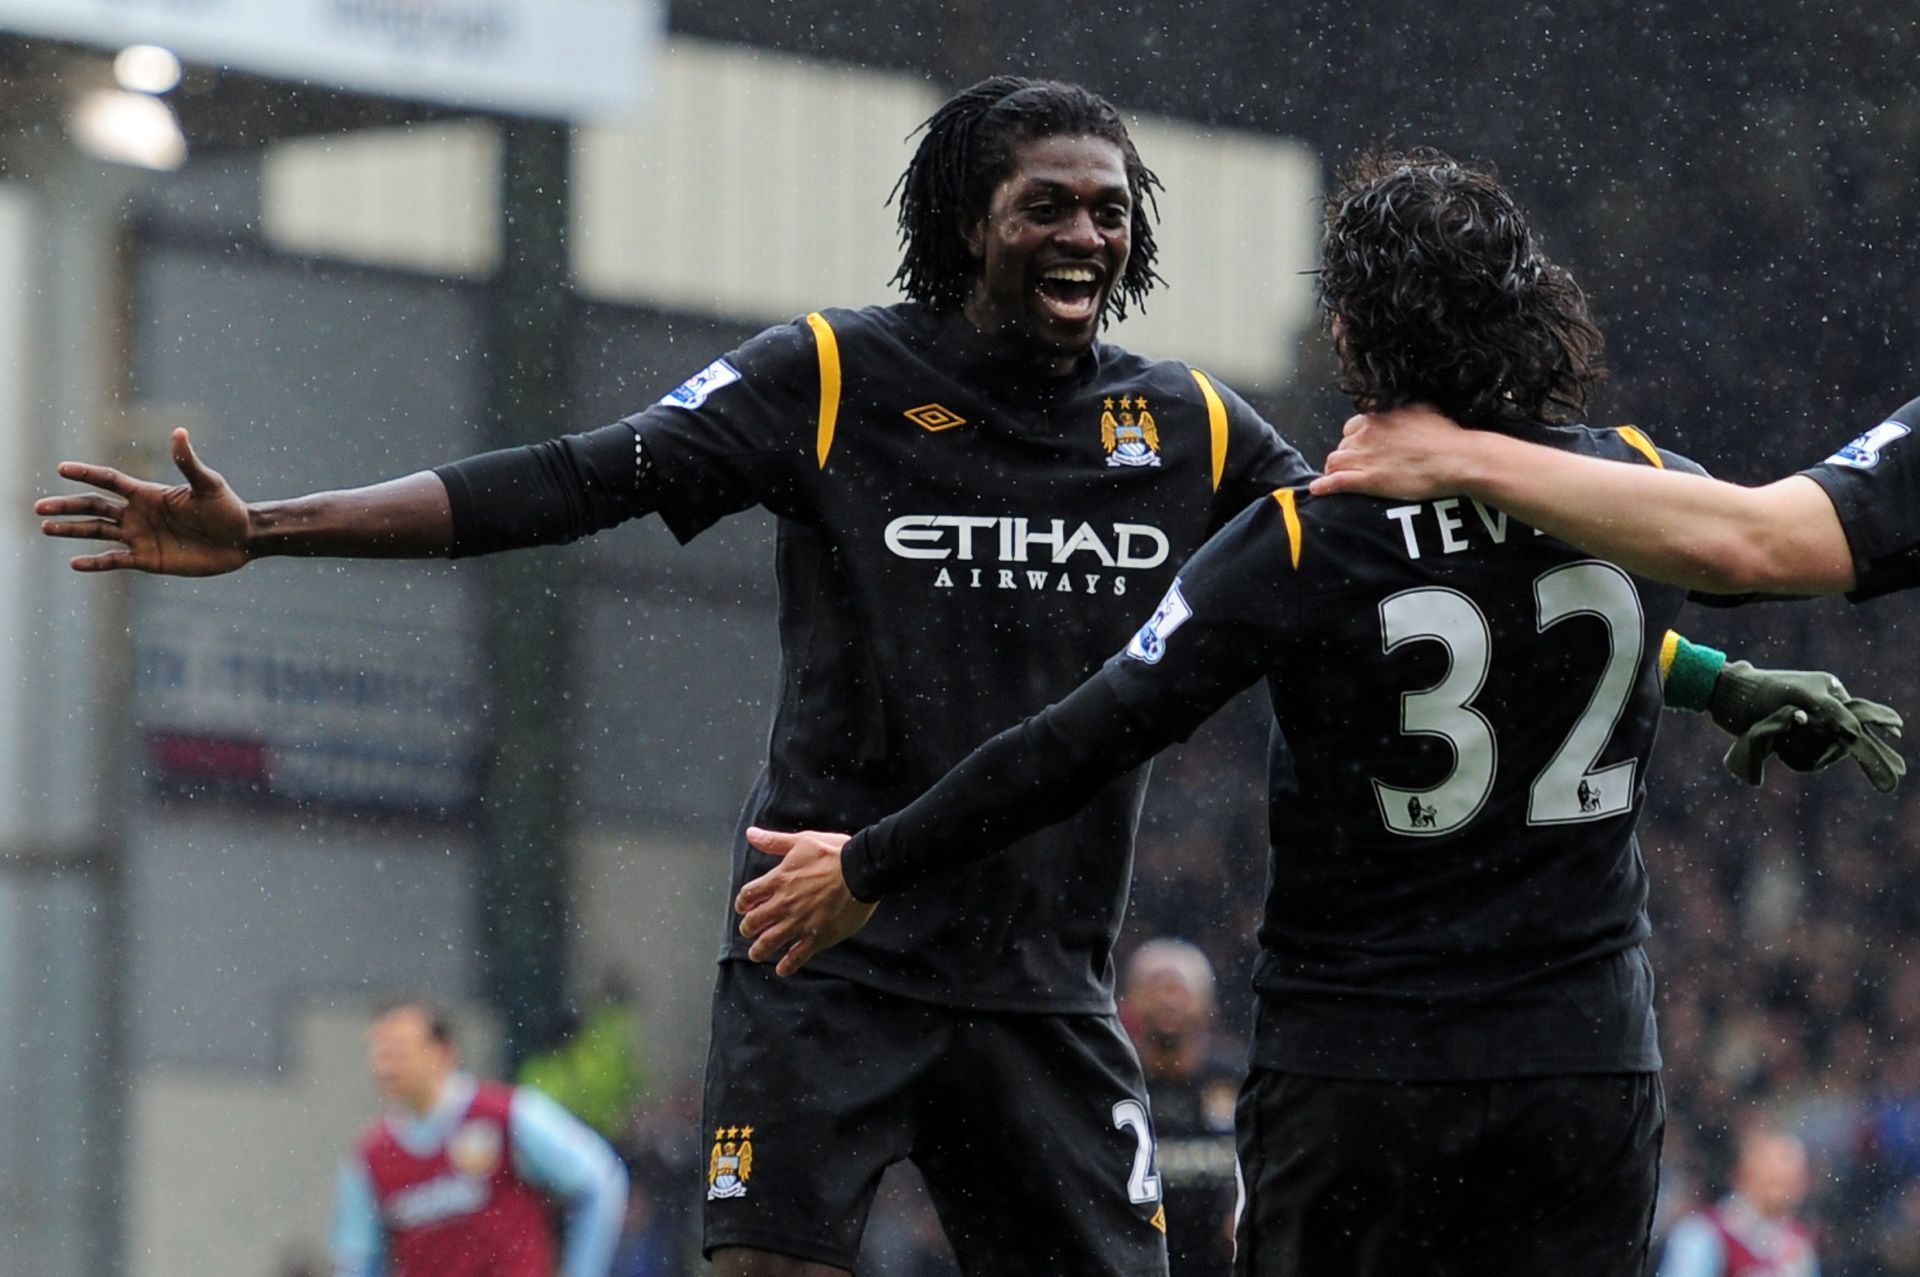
[(560, 58)]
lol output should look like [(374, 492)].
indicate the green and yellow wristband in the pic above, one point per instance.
[(1688, 672)]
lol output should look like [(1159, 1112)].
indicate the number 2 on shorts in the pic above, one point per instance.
[(1142, 1185)]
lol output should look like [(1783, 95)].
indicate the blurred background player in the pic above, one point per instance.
[(461, 1177), (1167, 1002), (1752, 1231)]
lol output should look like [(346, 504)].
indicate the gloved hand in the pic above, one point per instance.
[(1807, 719)]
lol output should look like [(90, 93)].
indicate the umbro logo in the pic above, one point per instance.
[(933, 416)]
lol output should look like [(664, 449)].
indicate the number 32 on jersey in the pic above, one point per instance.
[(1570, 788)]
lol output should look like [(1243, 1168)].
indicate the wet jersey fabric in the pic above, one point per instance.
[(1467, 707), (961, 539), (1874, 483)]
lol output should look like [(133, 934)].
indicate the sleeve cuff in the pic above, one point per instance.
[(862, 876), (1689, 671)]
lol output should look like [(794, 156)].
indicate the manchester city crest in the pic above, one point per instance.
[(1129, 433), (730, 1165)]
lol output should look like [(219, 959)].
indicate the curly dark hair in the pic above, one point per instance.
[(1437, 292), (968, 150)]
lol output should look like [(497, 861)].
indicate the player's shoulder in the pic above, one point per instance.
[(375, 1136), (907, 323), (1885, 449), (838, 323), (1169, 378), (1274, 526), (785, 355), (1624, 442), (530, 1104)]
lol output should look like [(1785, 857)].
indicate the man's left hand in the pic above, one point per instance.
[(801, 906)]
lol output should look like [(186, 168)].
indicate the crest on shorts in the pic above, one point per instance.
[(475, 1148), (1129, 433), (730, 1165)]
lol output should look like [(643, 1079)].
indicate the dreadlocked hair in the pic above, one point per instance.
[(968, 150), (1441, 295)]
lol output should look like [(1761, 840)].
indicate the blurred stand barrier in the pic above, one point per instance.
[(63, 273)]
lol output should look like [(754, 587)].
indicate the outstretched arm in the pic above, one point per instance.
[(1021, 781), (1686, 529), (1228, 605), (201, 527)]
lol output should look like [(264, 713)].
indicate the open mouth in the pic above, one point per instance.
[(1070, 293)]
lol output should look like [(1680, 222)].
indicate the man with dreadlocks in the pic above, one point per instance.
[(974, 496), (1455, 1065)]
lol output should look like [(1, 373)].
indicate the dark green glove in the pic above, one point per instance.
[(1806, 719)]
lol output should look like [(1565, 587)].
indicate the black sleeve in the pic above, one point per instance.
[(547, 493), (1874, 484), (1258, 460), (1212, 635), (743, 431), (1021, 781)]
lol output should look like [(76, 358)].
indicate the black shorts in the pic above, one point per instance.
[(1031, 1130), (1535, 1177)]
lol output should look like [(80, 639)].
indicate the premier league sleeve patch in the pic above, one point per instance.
[(694, 390), (1150, 644), (1864, 453)]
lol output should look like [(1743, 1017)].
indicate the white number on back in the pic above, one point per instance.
[(1569, 789), (1450, 618)]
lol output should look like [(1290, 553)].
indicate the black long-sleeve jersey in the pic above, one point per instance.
[(1874, 483), (961, 539), (1468, 708)]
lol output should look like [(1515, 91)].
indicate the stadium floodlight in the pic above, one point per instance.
[(128, 128), (146, 68)]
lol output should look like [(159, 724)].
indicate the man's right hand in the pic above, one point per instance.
[(196, 528)]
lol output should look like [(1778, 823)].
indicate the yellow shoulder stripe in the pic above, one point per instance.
[(1669, 648), (1285, 498), (828, 350), (1216, 423), (1642, 445)]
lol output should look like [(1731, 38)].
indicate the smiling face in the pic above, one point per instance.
[(1052, 246)]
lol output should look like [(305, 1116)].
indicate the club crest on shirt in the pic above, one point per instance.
[(1864, 453), (1150, 644), (1129, 433), (730, 1165), (693, 392), (475, 1148)]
